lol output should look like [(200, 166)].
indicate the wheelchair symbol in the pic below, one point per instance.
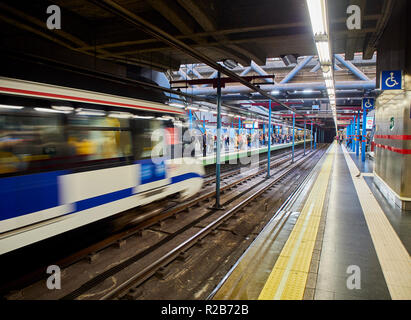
[(368, 104), (391, 82)]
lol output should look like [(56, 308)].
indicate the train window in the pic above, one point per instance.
[(145, 139), (30, 142), (98, 138)]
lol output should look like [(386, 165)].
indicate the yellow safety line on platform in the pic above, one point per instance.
[(289, 276), (393, 256)]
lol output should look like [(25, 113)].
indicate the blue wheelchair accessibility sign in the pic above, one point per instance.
[(368, 103), (391, 80)]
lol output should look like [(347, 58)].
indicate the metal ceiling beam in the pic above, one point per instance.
[(206, 21), (67, 40), (170, 11), (271, 27), (156, 32), (371, 45), (297, 39)]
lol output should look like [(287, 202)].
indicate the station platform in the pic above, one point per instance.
[(231, 155), (336, 238)]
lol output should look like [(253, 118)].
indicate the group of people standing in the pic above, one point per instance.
[(241, 141)]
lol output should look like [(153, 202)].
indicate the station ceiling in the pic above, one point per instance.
[(114, 36), (241, 30)]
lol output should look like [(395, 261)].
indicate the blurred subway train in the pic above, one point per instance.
[(70, 157)]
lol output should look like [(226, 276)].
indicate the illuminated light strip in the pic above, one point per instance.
[(60, 96)]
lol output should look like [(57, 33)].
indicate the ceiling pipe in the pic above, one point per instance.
[(342, 85), (245, 71), (352, 68), (296, 69), (260, 71)]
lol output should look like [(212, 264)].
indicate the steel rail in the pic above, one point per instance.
[(140, 223), (150, 270)]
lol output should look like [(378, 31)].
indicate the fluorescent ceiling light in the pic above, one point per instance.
[(329, 84), (318, 16), (3, 106), (328, 75), (203, 110), (323, 49), (275, 92), (331, 92), (192, 108), (50, 110), (308, 91)]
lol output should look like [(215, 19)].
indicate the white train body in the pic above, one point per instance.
[(57, 173)]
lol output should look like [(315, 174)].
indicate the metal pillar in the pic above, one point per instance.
[(353, 133), (312, 136), (357, 152), (239, 125), (190, 115), (315, 138), (364, 134), (269, 140), (305, 125), (217, 200), (293, 134)]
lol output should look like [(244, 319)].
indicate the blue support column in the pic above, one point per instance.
[(190, 115), (364, 134), (293, 134), (354, 132), (312, 136), (218, 160), (315, 138), (269, 141), (358, 135), (351, 135), (305, 125), (239, 125)]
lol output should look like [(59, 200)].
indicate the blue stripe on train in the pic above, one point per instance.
[(185, 176), (29, 193), (103, 199)]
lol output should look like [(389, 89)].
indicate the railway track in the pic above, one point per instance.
[(279, 162)]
